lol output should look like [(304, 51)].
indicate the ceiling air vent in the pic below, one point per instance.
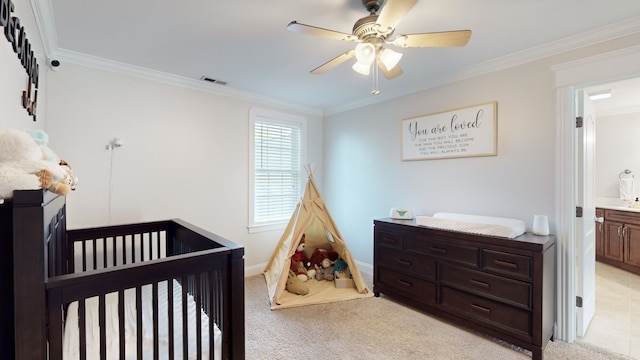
[(213, 81)]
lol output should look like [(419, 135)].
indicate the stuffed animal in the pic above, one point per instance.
[(341, 270), (320, 254), (299, 254), (23, 168), (71, 177), (42, 139), (295, 285), (299, 269), (324, 271)]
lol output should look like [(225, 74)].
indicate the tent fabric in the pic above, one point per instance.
[(311, 218)]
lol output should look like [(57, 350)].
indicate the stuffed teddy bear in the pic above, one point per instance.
[(299, 254), (324, 271), (299, 269), (295, 285), (23, 168)]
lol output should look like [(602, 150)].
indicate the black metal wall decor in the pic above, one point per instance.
[(16, 35)]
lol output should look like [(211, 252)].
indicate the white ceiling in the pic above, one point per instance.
[(245, 42)]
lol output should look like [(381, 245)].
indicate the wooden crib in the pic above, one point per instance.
[(46, 270)]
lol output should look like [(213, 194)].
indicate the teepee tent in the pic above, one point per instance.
[(312, 220)]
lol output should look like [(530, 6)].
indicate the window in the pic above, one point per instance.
[(276, 157)]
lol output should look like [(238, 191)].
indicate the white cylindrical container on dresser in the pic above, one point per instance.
[(540, 225)]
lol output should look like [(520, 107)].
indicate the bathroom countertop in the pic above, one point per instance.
[(615, 204)]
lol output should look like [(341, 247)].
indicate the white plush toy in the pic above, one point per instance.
[(22, 166)]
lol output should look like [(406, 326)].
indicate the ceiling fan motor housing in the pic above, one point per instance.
[(366, 27), (372, 6)]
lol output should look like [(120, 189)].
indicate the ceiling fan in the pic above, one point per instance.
[(375, 30)]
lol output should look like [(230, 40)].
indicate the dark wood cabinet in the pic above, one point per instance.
[(621, 239), (599, 232), (501, 287)]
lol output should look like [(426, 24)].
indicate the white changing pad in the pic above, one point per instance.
[(475, 224), (71, 336)]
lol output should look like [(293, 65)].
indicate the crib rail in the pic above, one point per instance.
[(114, 259), (203, 269)]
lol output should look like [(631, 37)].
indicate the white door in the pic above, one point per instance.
[(585, 225)]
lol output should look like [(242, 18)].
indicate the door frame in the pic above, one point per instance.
[(607, 67)]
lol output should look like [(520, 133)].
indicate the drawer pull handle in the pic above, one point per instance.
[(506, 264), (479, 283), (389, 240), (405, 283), (481, 308), (438, 250), (404, 262)]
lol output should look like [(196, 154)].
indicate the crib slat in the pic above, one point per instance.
[(95, 255), (82, 326), (114, 251), (197, 298), (121, 329), (170, 318), (124, 250), (185, 318), (154, 299), (84, 256), (139, 321), (103, 328), (150, 239), (211, 295), (105, 254), (133, 248)]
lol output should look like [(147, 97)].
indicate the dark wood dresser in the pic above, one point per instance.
[(504, 288)]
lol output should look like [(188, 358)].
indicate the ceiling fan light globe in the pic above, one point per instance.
[(389, 58), (361, 68), (365, 53)]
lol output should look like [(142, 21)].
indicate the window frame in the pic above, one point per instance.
[(274, 117)]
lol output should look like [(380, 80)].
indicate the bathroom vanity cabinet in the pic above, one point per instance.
[(619, 239), (501, 287)]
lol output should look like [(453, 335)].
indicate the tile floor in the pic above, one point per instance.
[(616, 324)]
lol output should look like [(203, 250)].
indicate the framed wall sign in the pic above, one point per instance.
[(464, 132)]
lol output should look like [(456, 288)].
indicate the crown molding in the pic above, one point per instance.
[(43, 14), (46, 25)]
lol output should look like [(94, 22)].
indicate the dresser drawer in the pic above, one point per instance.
[(507, 263), (409, 286), (406, 263), (467, 255), (390, 239), (500, 315), (512, 291)]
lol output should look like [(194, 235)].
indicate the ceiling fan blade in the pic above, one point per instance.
[(434, 39), (295, 26), (391, 14), (389, 74), (333, 62)]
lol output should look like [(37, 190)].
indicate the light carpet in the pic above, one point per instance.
[(375, 328)]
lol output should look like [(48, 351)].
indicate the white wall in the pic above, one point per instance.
[(617, 149), (14, 78), (185, 153), (365, 176)]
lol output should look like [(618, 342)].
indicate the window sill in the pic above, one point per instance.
[(266, 227)]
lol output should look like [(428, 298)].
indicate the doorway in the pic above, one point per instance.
[(608, 67), (617, 292)]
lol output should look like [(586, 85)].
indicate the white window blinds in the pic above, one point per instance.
[(276, 169)]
